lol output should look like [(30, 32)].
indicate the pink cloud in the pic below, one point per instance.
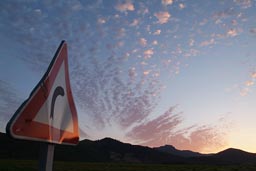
[(101, 21), (121, 32), (244, 3), (165, 130), (163, 17), (234, 22), (132, 73), (157, 74), (135, 22), (244, 91), (151, 131), (127, 6), (202, 139), (232, 33), (208, 42), (182, 6), (143, 42), (155, 42), (253, 30), (133, 109)]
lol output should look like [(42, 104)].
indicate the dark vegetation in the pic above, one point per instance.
[(32, 165), (108, 150)]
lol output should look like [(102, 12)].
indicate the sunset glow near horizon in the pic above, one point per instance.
[(157, 72)]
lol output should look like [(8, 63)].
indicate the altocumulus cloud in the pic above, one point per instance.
[(114, 82)]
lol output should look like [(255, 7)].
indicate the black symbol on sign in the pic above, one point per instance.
[(58, 91)]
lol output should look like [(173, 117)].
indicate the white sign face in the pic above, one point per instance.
[(60, 117)]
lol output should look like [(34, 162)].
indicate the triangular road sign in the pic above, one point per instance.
[(49, 114)]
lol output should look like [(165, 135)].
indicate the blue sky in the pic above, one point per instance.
[(146, 72)]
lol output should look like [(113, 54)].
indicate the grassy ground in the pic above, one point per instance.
[(27, 165)]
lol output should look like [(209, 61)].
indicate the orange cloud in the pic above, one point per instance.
[(167, 2), (232, 32), (157, 32), (163, 17), (253, 75), (148, 53), (203, 139), (249, 83), (128, 6), (146, 72)]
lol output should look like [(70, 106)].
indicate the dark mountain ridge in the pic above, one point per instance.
[(233, 155), (110, 150), (183, 153)]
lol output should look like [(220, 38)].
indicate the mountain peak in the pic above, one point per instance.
[(169, 146), (232, 152), (108, 139), (172, 150)]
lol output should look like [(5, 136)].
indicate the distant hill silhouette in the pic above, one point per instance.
[(235, 156), (183, 153), (105, 150), (110, 150)]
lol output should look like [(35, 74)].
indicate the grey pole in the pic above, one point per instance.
[(46, 157)]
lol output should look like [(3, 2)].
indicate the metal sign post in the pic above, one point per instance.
[(46, 157)]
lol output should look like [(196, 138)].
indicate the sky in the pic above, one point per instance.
[(155, 72)]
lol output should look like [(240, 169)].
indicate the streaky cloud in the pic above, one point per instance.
[(165, 130), (8, 103)]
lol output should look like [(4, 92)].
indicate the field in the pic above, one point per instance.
[(28, 165)]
